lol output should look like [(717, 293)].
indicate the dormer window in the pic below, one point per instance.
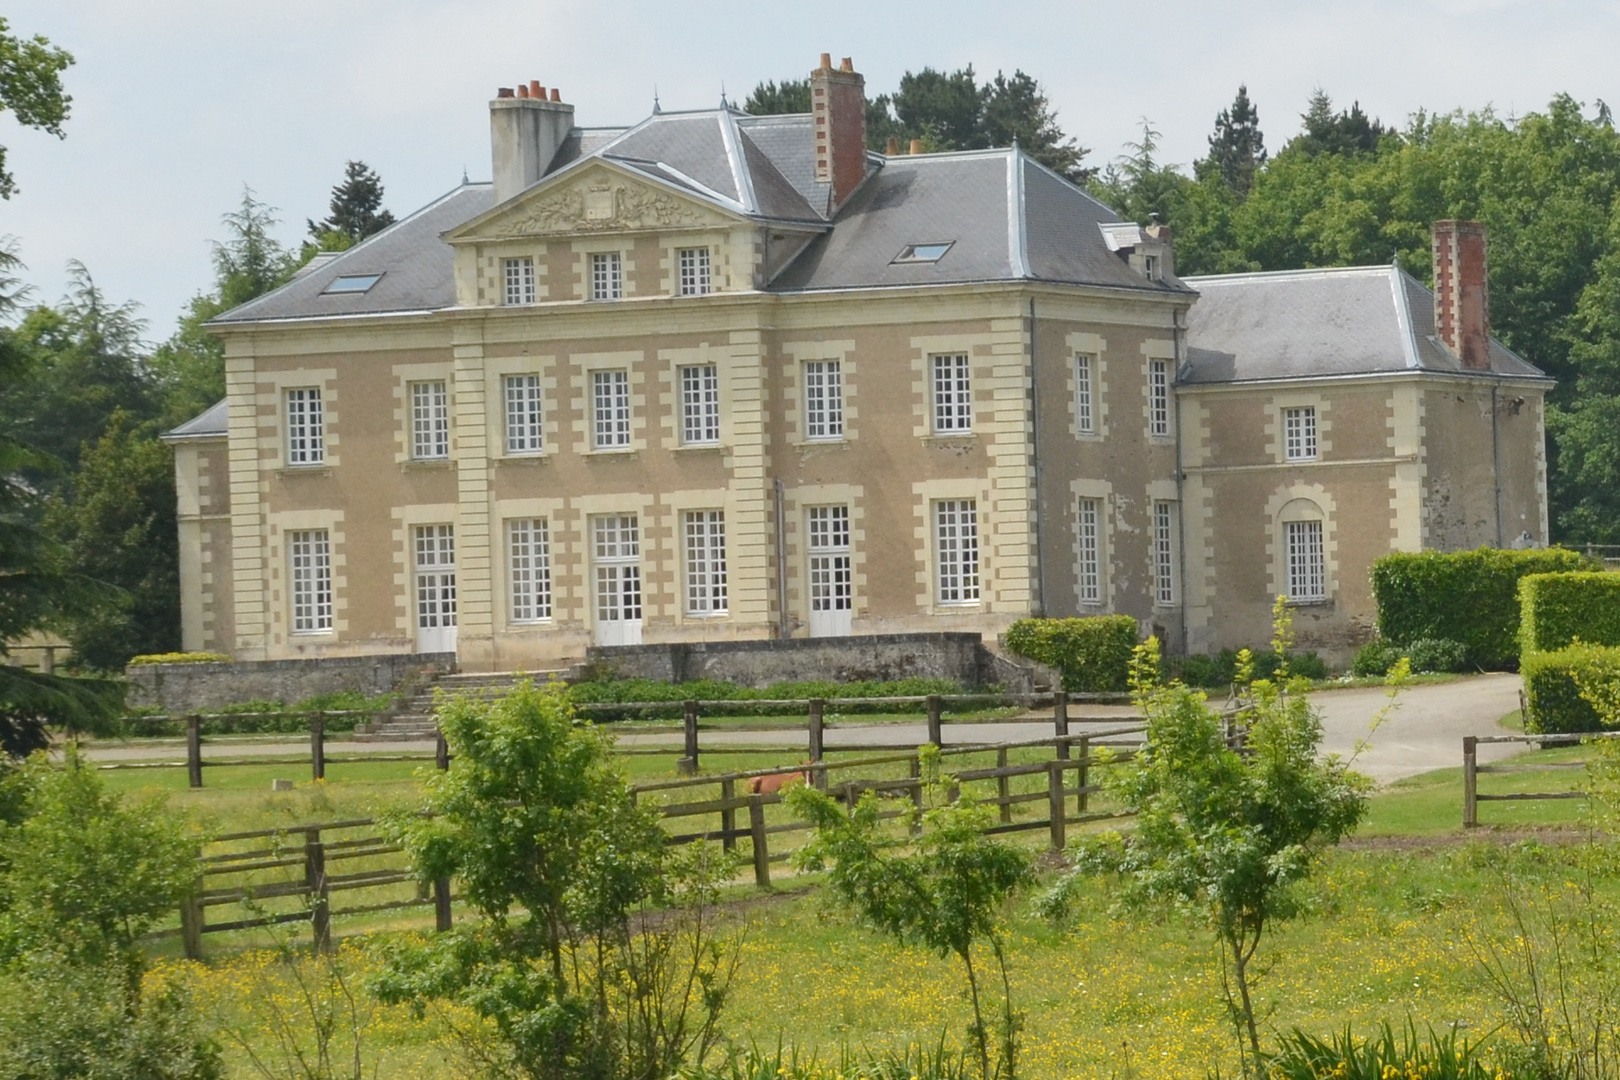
[(923, 253), (353, 283), (1150, 267)]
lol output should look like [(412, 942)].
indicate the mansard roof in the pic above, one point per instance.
[(1300, 324), (1005, 217)]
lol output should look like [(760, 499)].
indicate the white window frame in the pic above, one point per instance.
[(1299, 433), (694, 271), (528, 562), (1089, 537), (430, 420), (1305, 553), (435, 548), (951, 381), (610, 409), (707, 592), (607, 275), (525, 414), (700, 404), (1159, 399), (309, 574), (823, 400), (1085, 397), (519, 280), (956, 552), (306, 430), (1164, 553)]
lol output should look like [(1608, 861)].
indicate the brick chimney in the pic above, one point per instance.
[(525, 130), (1461, 315), (838, 113)]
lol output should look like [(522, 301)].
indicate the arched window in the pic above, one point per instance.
[(1303, 546)]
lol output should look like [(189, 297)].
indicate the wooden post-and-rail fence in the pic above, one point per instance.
[(308, 861), (1472, 796)]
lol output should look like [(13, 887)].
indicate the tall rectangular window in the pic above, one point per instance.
[(528, 549), (1307, 569), (953, 405), (1089, 528), (1299, 434), (693, 265), (823, 399), (705, 562), (1159, 397), (1085, 420), (309, 558), (520, 280), (610, 398), (956, 547), (306, 438), (700, 404), (430, 421), (1164, 553), (525, 425), (607, 276)]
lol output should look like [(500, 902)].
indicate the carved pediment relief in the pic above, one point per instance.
[(602, 201)]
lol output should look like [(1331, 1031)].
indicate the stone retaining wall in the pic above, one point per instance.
[(186, 688)]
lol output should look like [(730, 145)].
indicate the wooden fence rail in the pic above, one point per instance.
[(305, 863), (1472, 796)]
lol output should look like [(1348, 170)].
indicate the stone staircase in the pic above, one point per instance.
[(413, 720)]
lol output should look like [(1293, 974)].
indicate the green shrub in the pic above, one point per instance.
[(1552, 693), (1557, 609), (179, 658), (1375, 658), (1385, 1056), (1466, 596), (1429, 655), (1210, 672), (1094, 654)]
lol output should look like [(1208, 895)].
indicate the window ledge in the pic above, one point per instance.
[(707, 447), (1312, 602), (426, 464), (289, 471), (536, 458), (951, 439), (612, 452)]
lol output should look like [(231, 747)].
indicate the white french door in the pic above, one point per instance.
[(435, 588), (831, 580), (616, 551)]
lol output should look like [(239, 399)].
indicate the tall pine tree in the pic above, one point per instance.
[(356, 209), (1237, 148)]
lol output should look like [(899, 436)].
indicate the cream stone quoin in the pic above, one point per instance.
[(716, 376)]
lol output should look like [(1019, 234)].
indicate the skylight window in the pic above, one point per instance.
[(353, 283), (920, 253)]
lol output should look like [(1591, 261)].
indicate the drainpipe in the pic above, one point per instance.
[(782, 626), (1035, 437), (1496, 459), (1181, 478)]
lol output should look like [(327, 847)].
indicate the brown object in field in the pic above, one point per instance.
[(770, 785)]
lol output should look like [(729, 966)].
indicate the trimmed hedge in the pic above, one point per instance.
[(1466, 596), (179, 658), (1558, 609), (1093, 654), (1212, 672), (1552, 692)]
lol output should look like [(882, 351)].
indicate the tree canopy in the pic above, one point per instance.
[(356, 210), (31, 89)]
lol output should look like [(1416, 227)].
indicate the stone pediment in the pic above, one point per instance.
[(600, 200)]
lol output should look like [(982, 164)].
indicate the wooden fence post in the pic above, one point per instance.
[(818, 711), (191, 918), (935, 730), (915, 769), (1470, 781), (1003, 788), (728, 816), (688, 765), (441, 904), (320, 912), (1054, 802), (1060, 723), (194, 750), (1085, 772), (441, 750), (317, 746), (756, 829)]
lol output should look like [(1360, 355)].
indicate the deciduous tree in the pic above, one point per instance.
[(31, 89)]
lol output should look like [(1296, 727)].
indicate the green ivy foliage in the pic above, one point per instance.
[(1466, 596), (1094, 654), (1554, 704), (1559, 609)]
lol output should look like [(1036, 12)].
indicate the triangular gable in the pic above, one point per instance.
[(595, 197)]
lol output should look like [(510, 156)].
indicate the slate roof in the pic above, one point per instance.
[(1300, 324), (208, 424)]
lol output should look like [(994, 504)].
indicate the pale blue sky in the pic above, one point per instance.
[(177, 103)]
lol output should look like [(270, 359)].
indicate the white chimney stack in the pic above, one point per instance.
[(525, 130)]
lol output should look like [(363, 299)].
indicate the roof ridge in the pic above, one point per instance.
[(1257, 275)]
